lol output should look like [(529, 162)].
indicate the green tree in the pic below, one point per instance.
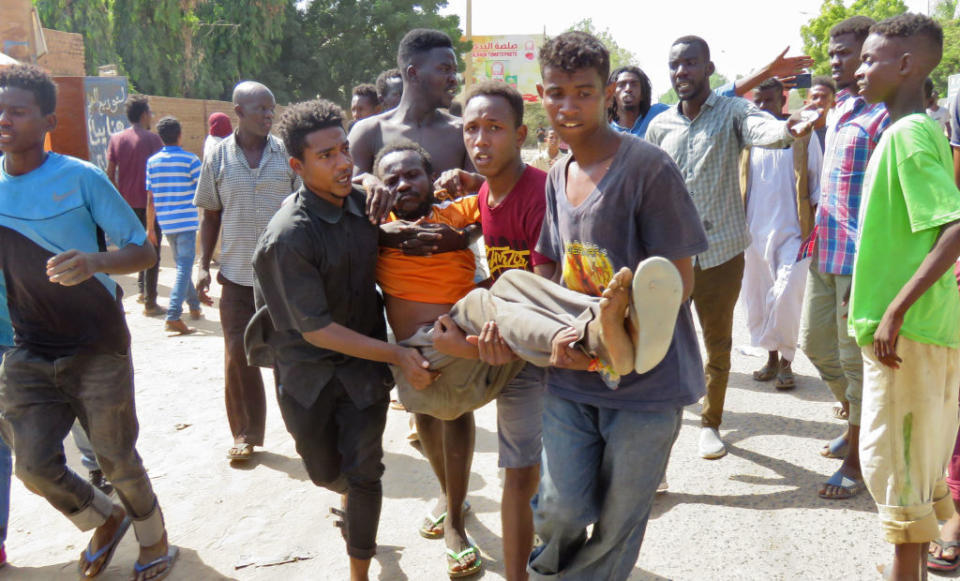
[(619, 56), (950, 63), (150, 36), (816, 33), (91, 18)]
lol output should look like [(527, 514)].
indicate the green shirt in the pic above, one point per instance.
[(909, 193)]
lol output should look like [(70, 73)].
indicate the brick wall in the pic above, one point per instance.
[(64, 53)]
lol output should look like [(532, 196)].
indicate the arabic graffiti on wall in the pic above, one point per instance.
[(104, 99)]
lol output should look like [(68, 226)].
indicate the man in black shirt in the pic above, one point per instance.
[(319, 323)]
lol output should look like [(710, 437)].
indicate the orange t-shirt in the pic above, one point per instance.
[(439, 279)]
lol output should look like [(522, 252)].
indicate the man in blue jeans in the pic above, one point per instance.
[(172, 175)]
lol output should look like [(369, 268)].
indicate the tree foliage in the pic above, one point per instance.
[(816, 33), (91, 18), (149, 36), (945, 12), (619, 56)]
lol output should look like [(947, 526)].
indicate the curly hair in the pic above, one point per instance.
[(382, 79), (403, 145), (302, 119), (35, 80), (366, 90), (913, 26), (169, 130), (646, 90), (499, 89), (137, 105), (771, 83), (573, 51), (419, 41), (824, 81), (858, 26)]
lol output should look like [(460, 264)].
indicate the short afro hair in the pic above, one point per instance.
[(575, 50), (382, 79), (403, 145), (695, 41), (858, 26), (824, 81), (771, 83), (499, 89), (137, 105), (646, 89), (169, 130), (913, 26), (366, 90), (301, 119), (35, 80), (419, 41)]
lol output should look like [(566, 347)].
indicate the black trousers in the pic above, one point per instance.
[(342, 449), (147, 279)]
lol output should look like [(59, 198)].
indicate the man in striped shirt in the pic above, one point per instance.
[(172, 175)]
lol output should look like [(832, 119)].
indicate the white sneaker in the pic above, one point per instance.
[(711, 446)]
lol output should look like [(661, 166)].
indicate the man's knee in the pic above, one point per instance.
[(37, 471)]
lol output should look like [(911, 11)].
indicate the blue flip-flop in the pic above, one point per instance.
[(87, 559), (850, 486), (169, 558), (836, 448)]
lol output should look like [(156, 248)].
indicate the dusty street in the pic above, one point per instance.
[(751, 515)]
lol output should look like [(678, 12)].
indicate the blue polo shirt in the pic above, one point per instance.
[(640, 126), (64, 204), (172, 176)]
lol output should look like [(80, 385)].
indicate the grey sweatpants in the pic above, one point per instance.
[(529, 311)]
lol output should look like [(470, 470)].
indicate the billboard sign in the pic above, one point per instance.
[(513, 59)]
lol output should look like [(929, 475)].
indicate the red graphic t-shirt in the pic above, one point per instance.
[(512, 229)]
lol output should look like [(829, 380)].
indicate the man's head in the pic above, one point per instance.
[(364, 102), (313, 134), (575, 67), (407, 171), (254, 104), (429, 66), (768, 96), (28, 99), (631, 90), (138, 111), (690, 68), (389, 88), (898, 56), (846, 40), (169, 130), (493, 129), (822, 93)]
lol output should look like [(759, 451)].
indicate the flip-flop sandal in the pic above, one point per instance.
[(240, 452), (785, 380), (395, 404), (169, 558), (106, 551), (432, 527), (471, 570), (839, 413), (941, 564), (836, 448), (341, 522), (765, 373), (849, 486), (655, 298)]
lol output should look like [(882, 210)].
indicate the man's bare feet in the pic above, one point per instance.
[(615, 343), (106, 535)]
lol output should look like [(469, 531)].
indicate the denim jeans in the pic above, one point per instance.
[(600, 466), (184, 248), (87, 457), (6, 469)]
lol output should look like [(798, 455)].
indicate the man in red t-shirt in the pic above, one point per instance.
[(127, 155), (512, 204)]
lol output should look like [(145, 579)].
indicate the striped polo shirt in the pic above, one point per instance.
[(172, 175)]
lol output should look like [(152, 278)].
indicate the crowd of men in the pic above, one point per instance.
[(838, 226)]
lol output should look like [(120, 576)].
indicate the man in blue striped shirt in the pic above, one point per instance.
[(172, 175)]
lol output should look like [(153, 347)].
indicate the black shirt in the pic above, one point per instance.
[(315, 264)]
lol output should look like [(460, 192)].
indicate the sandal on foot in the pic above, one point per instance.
[(432, 527), (765, 373), (836, 448), (941, 564), (849, 486), (167, 560), (87, 559), (839, 413), (240, 452), (785, 380), (455, 557)]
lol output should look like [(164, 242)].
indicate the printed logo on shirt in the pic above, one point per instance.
[(586, 268), (503, 258), (61, 197)]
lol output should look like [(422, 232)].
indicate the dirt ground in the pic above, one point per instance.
[(751, 515)]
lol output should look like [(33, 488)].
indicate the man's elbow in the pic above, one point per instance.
[(146, 256)]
